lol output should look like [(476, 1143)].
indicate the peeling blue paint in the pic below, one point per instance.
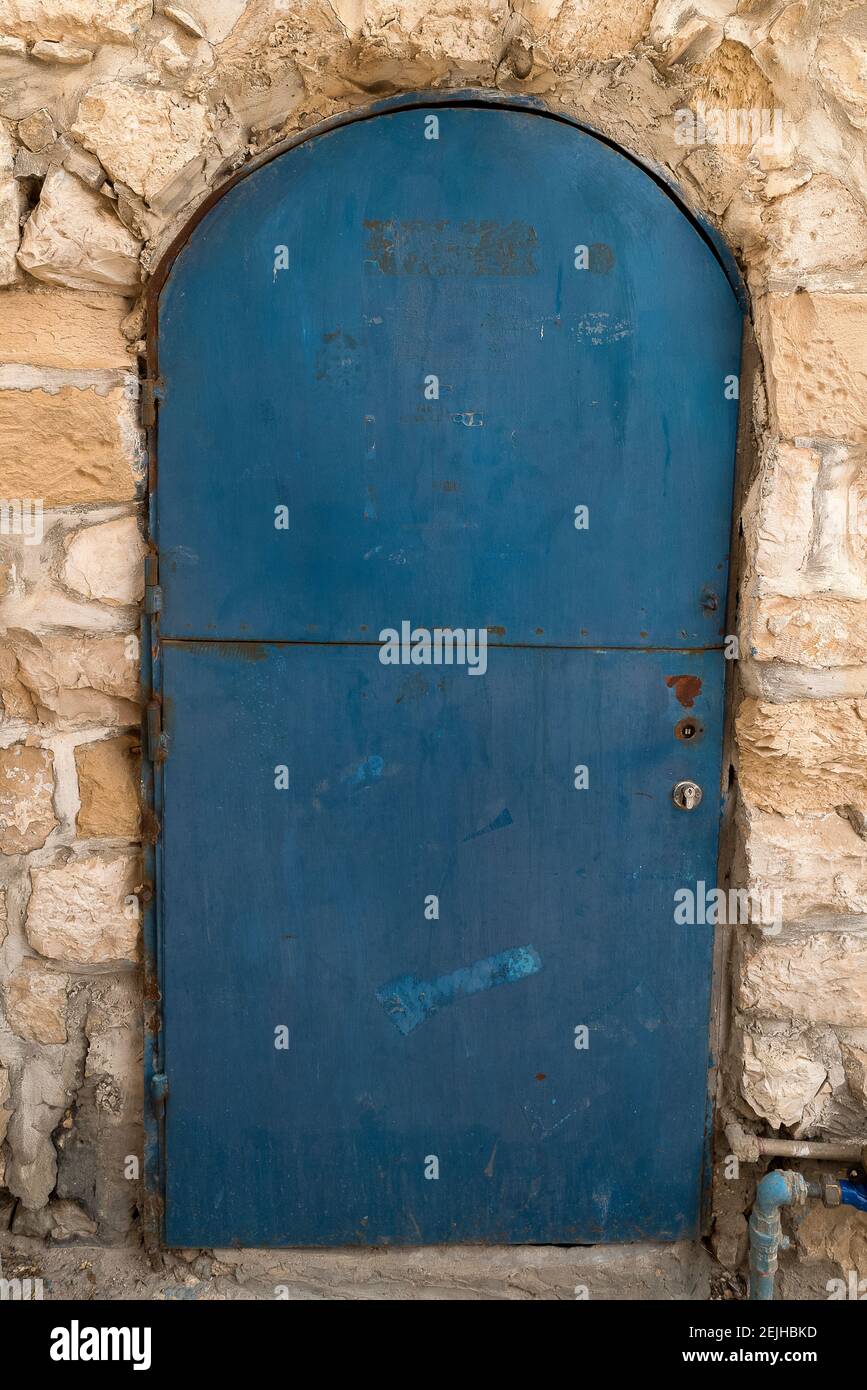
[(408, 1001)]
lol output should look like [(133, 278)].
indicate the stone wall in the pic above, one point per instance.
[(116, 119)]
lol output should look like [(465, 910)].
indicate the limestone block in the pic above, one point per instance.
[(71, 681), (26, 798), (142, 135), (108, 786), (58, 328), (74, 238), (804, 755), (816, 979), (780, 1077), (778, 515), (816, 863), (106, 561), (820, 226), (816, 631), (78, 911), (69, 445), (815, 354), (35, 1000), (93, 21), (68, 54)]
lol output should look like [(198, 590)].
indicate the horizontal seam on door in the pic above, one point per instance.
[(498, 646)]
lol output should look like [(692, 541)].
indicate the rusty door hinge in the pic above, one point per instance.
[(153, 593), (157, 741), (152, 390)]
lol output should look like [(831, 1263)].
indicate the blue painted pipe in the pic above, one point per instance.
[(775, 1191), (854, 1194)]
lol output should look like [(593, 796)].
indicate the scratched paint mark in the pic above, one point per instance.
[(488, 1170), (442, 248), (408, 1001), (600, 327), (686, 688), (498, 823), (367, 773), (473, 419)]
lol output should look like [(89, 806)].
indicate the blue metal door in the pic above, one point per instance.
[(449, 368)]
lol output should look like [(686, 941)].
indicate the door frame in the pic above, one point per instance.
[(153, 751)]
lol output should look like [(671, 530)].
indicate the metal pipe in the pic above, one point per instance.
[(781, 1188), (854, 1194), (750, 1148), (843, 1152)]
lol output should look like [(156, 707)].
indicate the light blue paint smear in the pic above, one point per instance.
[(367, 772), (408, 1001)]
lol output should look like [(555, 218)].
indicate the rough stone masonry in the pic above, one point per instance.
[(116, 118)]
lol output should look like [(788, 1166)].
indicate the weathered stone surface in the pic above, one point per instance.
[(855, 1068), (837, 1237), (45, 1084), (5, 1106), (93, 21), (841, 66), (106, 561), (11, 208), (35, 1000), (780, 1077), (71, 681), (5, 1093), (220, 17), (806, 755), (778, 514), (805, 521), (143, 136), (817, 863), (31, 164), (184, 20), (77, 910), (11, 47), (26, 798), (572, 31), (37, 130), (57, 328), (73, 238), (820, 631), (92, 1155), (815, 353), (69, 445), (83, 165), (819, 226), (817, 979), (108, 773), (4, 920), (68, 54)]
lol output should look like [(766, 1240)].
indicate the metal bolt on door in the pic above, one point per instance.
[(453, 367)]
